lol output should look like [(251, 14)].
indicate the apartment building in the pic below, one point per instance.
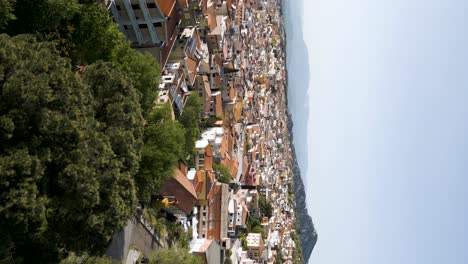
[(150, 25)]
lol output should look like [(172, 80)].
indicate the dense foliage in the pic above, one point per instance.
[(174, 255), (80, 138), (69, 148), (84, 31), (190, 119), (225, 175), (265, 207), (6, 12), (164, 146), (142, 70)]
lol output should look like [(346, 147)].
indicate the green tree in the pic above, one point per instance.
[(190, 119), (163, 147), (174, 255), (228, 253), (279, 257), (223, 171), (95, 35), (81, 30), (6, 12), (260, 230), (48, 19), (85, 259), (243, 242), (85, 32), (265, 207), (141, 69), (65, 184), (116, 105)]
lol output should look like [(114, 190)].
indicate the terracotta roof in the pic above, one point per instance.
[(206, 94), (229, 5), (204, 182), (208, 151), (206, 83), (218, 60), (245, 166), (223, 148), (211, 13), (244, 213), (219, 105), (232, 91), (203, 5), (198, 182), (183, 168), (217, 81), (183, 191), (232, 167), (196, 36), (200, 245), (215, 205), (208, 163), (191, 68), (171, 34), (166, 6), (230, 144), (183, 3), (235, 169), (236, 111)]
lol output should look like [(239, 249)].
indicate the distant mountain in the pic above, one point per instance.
[(298, 106), (308, 233)]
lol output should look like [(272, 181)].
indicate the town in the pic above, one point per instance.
[(231, 53)]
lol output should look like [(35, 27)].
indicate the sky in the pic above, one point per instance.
[(386, 162)]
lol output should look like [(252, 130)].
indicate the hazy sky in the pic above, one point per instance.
[(387, 164)]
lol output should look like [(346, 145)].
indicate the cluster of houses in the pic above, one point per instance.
[(229, 52)]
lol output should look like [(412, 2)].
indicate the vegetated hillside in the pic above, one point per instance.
[(308, 233)]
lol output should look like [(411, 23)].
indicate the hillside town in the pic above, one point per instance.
[(231, 54)]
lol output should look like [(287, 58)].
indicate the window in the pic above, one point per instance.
[(142, 26), (157, 24), (136, 6), (118, 7), (125, 27), (201, 156), (151, 5)]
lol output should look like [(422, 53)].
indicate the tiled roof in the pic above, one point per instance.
[(219, 105), (166, 6), (183, 3), (182, 190), (171, 34), (211, 12), (191, 68)]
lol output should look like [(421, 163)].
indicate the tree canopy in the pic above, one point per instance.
[(190, 119), (81, 30), (142, 70), (225, 175), (69, 147), (164, 146), (174, 255), (6, 12)]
